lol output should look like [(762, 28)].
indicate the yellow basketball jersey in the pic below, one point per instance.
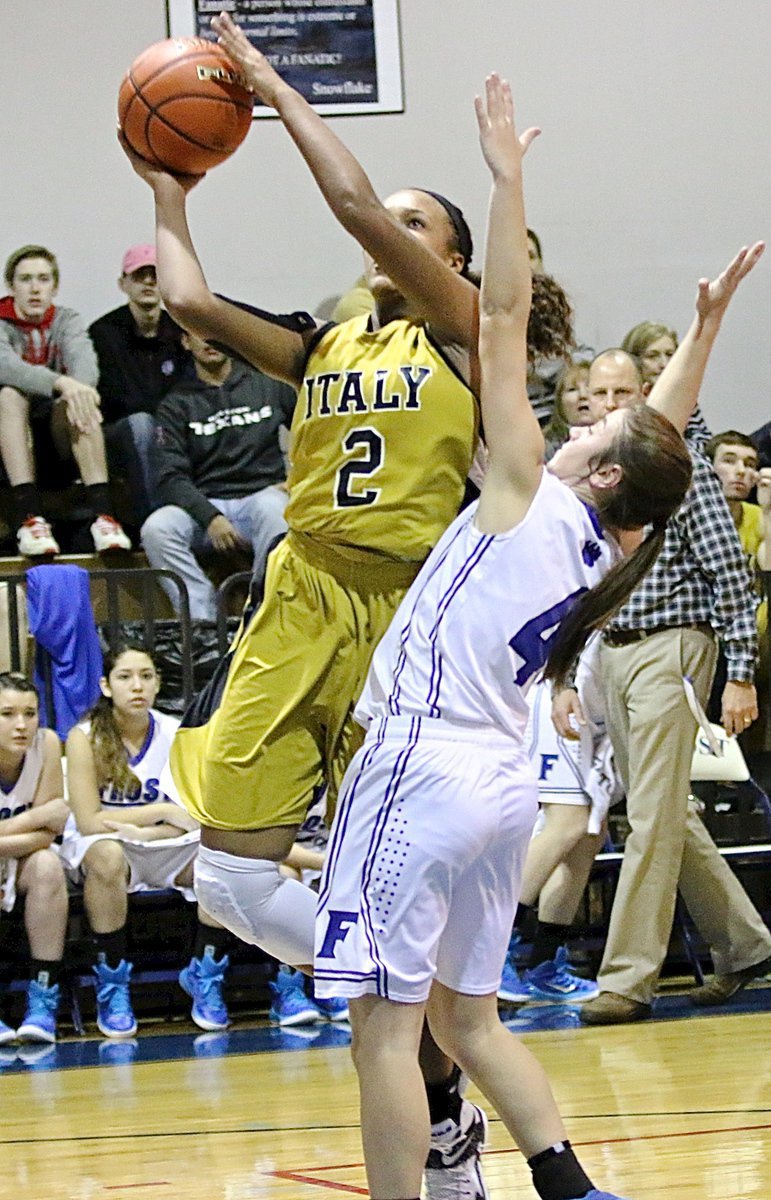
[(383, 436)]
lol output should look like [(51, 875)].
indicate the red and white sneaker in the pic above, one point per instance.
[(35, 540), (108, 534)]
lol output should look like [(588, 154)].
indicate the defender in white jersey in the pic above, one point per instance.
[(130, 835), (437, 807), (32, 816)]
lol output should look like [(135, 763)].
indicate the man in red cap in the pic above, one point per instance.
[(49, 406), (140, 358)]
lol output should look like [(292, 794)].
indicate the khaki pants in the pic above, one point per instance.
[(653, 731)]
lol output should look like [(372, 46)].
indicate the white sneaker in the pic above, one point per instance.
[(453, 1167), (35, 540), (108, 534)]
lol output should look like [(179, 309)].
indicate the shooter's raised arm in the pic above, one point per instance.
[(512, 434)]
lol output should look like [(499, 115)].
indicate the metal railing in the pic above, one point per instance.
[(113, 581)]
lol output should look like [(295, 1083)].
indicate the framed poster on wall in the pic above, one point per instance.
[(343, 56)]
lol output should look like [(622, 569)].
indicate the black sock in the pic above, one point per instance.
[(547, 941), (26, 502), (558, 1175), (524, 911), (111, 948), (45, 972), (212, 938), (444, 1099), (99, 502)]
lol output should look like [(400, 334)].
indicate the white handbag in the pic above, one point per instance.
[(728, 766), (716, 755)]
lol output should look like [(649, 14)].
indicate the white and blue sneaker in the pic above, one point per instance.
[(453, 1168), (512, 989), (290, 1005), (6, 1034), (114, 1014), (202, 979), (553, 980), (39, 1024), (334, 1008)]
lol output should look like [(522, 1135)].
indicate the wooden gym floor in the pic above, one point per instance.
[(671, 1109)]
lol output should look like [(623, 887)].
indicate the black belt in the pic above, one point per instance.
[(624, 637)]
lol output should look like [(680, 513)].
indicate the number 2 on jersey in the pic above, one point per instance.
[(370, 443)]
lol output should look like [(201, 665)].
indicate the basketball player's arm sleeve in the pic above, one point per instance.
[(299, 322), (174, 472)]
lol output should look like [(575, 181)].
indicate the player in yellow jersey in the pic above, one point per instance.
[(384, 432)]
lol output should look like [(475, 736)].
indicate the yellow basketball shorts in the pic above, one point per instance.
[(284, 724)]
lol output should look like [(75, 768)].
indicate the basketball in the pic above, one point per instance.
[(181, 106)]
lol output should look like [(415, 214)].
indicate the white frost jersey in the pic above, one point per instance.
[(19, 796), (477, 624), (147, 765)]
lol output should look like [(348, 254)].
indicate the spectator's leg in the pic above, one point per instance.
[(718, 904), (89, 453), (128, 445), (261, 519), (169, 536), (17, 454), (15, 437), (86, 448), (652, 731)]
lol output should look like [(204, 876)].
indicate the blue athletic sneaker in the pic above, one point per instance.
[(553, 980), (114, 1014), (512, 989), (202, 979), (39, 1024), (6, 1033), (519, 950), (334, 1008), (290, 1005)]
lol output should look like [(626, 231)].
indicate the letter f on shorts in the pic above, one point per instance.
[(339, 925)]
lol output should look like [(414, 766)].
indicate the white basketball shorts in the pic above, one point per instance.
[(423, 871)]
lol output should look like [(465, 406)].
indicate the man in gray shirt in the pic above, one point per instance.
[(49, 406)]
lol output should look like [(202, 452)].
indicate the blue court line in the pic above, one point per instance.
[(167, 1047)]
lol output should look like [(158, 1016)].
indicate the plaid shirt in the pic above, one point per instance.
[(700, 575)]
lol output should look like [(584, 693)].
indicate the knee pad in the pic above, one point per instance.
[(255, 901)]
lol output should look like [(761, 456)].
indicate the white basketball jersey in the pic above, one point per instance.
[(147, 765), (477, 624), (19, 797)]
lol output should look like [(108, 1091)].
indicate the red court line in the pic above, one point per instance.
[(303, 1177), (322, 1183)]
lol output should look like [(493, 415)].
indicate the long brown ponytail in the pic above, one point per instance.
[(110, 755), (656, 474)]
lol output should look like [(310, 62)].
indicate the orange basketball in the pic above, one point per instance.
[(181, 105)]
